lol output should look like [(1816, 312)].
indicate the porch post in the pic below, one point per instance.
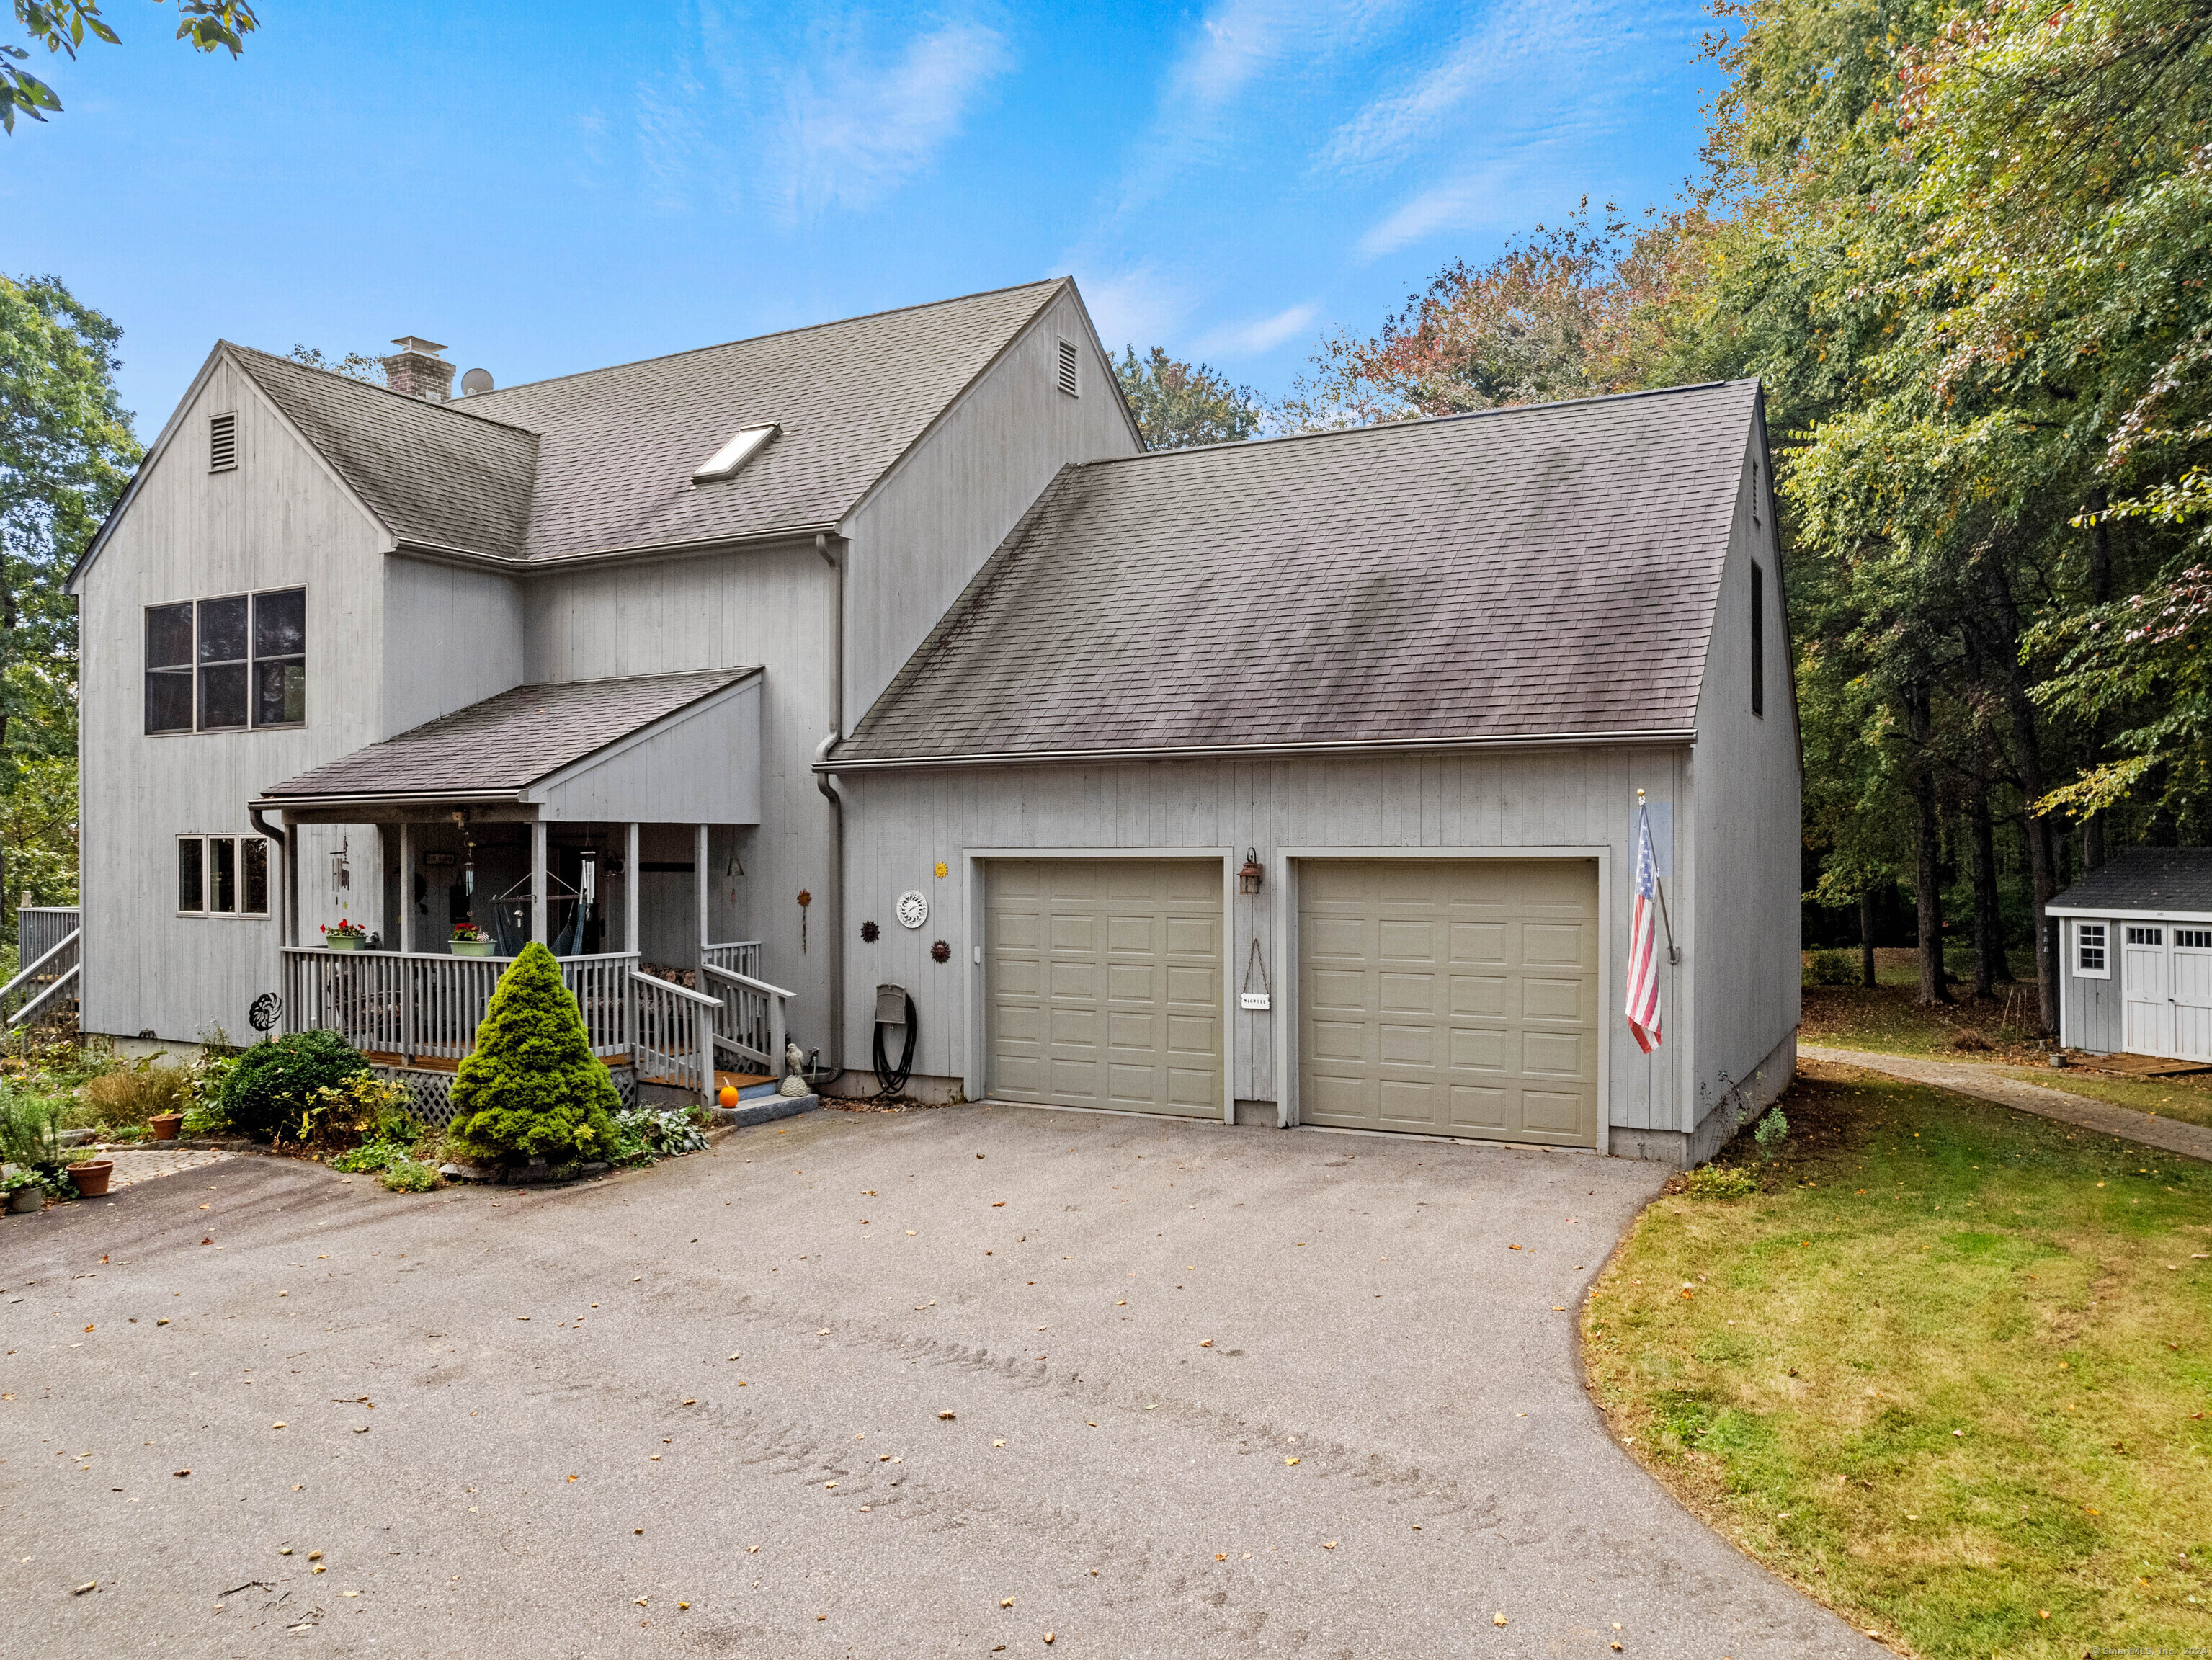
[(633, 879), (537, 882), (406, 886), (698, 885)]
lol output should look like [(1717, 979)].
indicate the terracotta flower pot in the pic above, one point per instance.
[(91, 1176), (165, 1125)]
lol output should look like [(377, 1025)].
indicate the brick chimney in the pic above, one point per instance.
[(415, 370)]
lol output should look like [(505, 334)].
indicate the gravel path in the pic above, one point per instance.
[(1965, 1078)]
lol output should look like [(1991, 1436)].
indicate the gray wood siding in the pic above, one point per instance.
[(1743, 852), (2091, 1010), (279, 521), (704, 770), (929, 527), (904, 822), (452, 637)]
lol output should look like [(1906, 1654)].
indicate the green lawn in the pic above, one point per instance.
[(1948, 1371)]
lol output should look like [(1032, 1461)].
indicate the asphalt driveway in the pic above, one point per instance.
[(845, 1388)]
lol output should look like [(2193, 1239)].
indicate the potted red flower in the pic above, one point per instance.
[(469, 941), (347, 936)]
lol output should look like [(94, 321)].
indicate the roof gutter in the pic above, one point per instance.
[(389, 799), (1666, 737), (517, 565)]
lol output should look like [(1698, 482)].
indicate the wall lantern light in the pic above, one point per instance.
[(1249, 878)]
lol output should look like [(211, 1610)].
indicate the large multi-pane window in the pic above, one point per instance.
[(223, 665), (223, 876)]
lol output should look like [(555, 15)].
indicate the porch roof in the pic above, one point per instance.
[(530, 744)]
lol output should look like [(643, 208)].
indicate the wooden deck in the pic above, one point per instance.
[(2142, 1065)]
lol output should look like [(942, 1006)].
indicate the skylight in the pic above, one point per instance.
[(725, 462)]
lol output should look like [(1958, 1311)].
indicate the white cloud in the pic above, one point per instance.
[(1262, 334), (827, 110), (1134, 307), (1495, 197)]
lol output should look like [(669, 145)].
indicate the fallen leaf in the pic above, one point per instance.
[(1499, 1618), (1006, 1602), (183, 1472), (944, 1415), (89, 1584), (1328, 1544), (997, 1444), (1207, 1344), (1290, 1461), (278, 1425)]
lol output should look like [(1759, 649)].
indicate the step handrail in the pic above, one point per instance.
[(23, 1015), (681, 991), (749, 982), (52, 952)]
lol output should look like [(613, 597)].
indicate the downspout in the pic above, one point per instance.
[(287, 893), (835, 1067)]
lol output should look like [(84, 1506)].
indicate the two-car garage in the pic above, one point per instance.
[(1451, 997)]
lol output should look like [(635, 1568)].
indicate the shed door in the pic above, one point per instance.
[(1455, 997), (2189, 968), (1105, 984), (2147, 1023)]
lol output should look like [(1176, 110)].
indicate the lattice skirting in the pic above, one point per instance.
[(433, 1091)]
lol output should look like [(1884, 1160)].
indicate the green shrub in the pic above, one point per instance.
[(136, 1093), (410, 1176), (273, 1083), (532, 1087), (1772, 1131), (1718, 1181), (1831, 967), (644, 1135)]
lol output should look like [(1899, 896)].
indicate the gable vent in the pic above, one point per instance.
[(725, 462), (222, 442), (1067, 368)]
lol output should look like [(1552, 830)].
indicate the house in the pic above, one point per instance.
[(552, 659), (1406, 683), (2139, 955), (869, 684)]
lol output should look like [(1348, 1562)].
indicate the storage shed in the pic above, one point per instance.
[(2138, 944), (1294, 783)]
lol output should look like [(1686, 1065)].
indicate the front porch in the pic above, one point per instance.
[(490, 823)]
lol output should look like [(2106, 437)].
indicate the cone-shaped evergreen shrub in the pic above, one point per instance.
[(532, 1085)]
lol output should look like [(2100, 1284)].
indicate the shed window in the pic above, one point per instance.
[(1068, 383), (222, 442), (1758, 640), (222, 663), (2192, 939), (223, 876), (2089, 951), (2146, 936)]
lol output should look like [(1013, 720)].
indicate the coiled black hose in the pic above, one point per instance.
[(894, 1078)]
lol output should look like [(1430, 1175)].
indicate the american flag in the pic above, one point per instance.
[(1643, 947)]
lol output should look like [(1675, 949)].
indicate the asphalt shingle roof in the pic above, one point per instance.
[(431, 473), (2146, 878), (1549, 569), (508, 742)]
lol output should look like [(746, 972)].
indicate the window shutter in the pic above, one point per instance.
[(222, 442), (1067, 381)]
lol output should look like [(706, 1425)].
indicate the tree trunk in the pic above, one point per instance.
[(1989, 963), (2100, 590), (1928, 844), (1866, 936), (2028, 761)]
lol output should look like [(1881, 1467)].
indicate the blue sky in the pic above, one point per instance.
[(549, 187)]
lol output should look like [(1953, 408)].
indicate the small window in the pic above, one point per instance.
[(2192, 939), (2146, 936), (725, 462), (222, 442), (280, 658), (223, 876), (1758, 640), (223, 660), (192, 880), (2089, 950), (169, 668), (1068, 383)]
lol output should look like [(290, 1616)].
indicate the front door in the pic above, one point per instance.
[(2147, 1023), (2189, 970)]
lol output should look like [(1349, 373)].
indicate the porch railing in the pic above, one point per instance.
[(738, 956), (39, 928), (46, 988), (673, 1037), (425, 1004), (750, 1018)]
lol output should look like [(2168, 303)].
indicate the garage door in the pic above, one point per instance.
[(1459, 998), (1105, 984)]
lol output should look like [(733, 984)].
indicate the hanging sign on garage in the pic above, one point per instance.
[(1260, 1001)]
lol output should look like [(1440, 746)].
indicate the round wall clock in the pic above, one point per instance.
[(913, 909)]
